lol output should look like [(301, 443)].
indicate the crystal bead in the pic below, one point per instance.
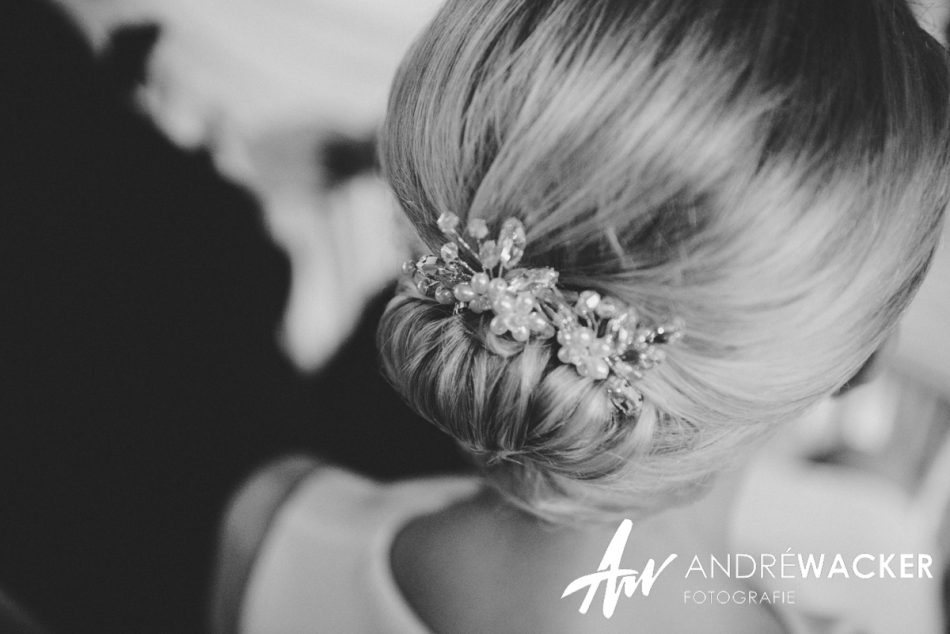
[(489, 254), (408, 267), (631, 319), (587, 301), (669, 333), (448, 222), (449, 252), (584, 336), (516, 282), (623, 337), (421, 282), (626, 400), (512, 240), (477, 228), (626, 320), (464, 293), (513, 229), (444, 296), (623, 369), (641, 338), (480, 282), (601, 347), (608, 308), (510, 256), (546, 277)]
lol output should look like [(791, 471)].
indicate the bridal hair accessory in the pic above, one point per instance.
[(601, 337)]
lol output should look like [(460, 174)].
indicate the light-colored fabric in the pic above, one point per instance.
[(324, 565), (247, 520)]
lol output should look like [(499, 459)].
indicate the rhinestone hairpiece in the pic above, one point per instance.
[(602, 337)]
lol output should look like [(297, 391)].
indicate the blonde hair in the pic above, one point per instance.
[(773, 173)]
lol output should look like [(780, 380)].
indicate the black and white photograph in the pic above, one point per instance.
[(475, 316)]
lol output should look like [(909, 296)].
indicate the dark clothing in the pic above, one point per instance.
[(140, 380)]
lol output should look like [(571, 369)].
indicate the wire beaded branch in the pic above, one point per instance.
[(602, 337)]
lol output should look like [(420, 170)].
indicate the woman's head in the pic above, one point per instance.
[(772, 172)]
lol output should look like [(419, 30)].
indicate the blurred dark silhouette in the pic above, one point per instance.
[(345, 158), (140, 376), (123, 64)]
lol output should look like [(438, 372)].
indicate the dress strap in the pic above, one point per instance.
[(245, 524)]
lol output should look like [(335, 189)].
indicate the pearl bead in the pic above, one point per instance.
[(517, 321), (503, 304), (524, 303), (480, 282), (584, 336), (497, 326), (537, 323), (464, 293), (497, 286), (479, 304), (520, 333)]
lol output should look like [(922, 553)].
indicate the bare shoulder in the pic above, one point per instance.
[(461, 572)]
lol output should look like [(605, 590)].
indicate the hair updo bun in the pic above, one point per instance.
[(519, 411), (689, 159)]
